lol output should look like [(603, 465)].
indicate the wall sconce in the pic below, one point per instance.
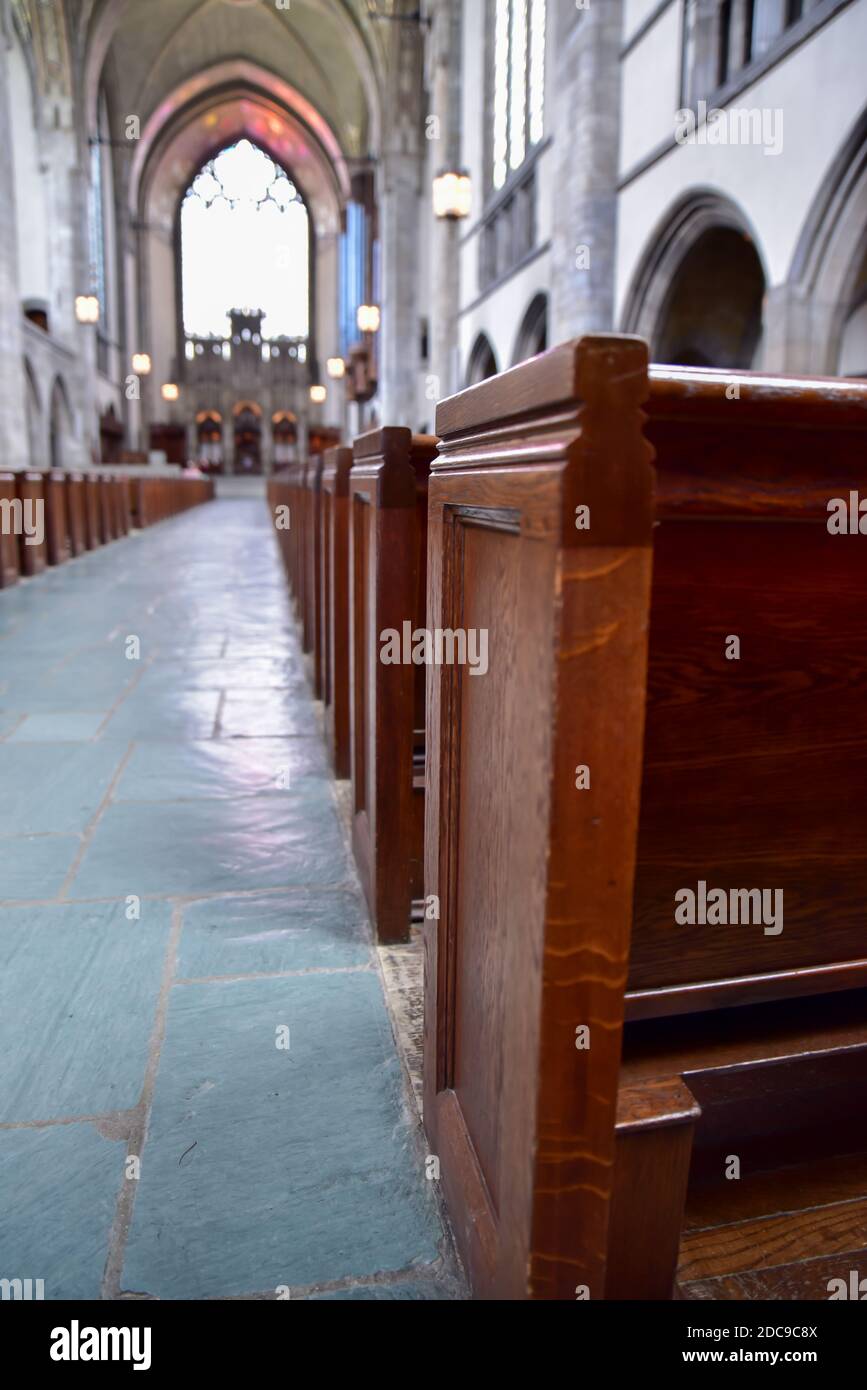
[(318, 395), (452, 195), (336, 368), (369, 318), (87, 308), (170, 391), (141, 363)]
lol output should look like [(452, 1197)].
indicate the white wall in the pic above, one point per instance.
[(820, 89), (30, 194)]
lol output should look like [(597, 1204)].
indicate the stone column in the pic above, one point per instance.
[(399, 189), (445, 240), (13, 404), (585, 123)]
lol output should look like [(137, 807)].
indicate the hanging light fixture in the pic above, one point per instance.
[(141, 363), (87, 308), (336, 368), (452, 195), (318, 394), (170, 391), (369, 318)]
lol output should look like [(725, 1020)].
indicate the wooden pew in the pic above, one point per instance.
[(120, 502), (107, 517), (335, 606), (313, 567), (279, 504), (93, 510), (56, 517), (76, 510), (10, 559), (30, 490), (387, 577), (611, 758)]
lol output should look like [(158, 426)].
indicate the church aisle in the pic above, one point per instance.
[(200, 1094)]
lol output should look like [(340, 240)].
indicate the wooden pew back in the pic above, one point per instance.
[(754, 766)]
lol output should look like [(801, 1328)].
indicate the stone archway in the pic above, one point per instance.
[(697, 296), (482, 363)]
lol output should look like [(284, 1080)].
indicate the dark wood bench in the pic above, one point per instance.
[(76, 512), (30, 491), (93, 510), (387, 584), (107, 510), (10, 558), (56, 517), (312, 540), (612, 758), (335, 605)]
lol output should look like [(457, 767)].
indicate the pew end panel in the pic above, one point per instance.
[(56, 517), (335, 606), (533, 876), (313, 568), (76, 507), (387, 563), (10, 559), (754, 768), (30, 492)]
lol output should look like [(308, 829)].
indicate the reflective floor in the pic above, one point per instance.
[(200, 1094)]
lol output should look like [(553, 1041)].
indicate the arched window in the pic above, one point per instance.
[(482, 363), (519, 83), (244, 242), (533, 333)]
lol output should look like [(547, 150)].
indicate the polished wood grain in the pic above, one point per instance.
[(387, 582), (335, 606), (10, 559)]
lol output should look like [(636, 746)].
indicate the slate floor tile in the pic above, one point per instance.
[(34, 867), (64, 727), (302, 1170), (79, 987), (48, 790), (210, 768), (211, 847), (59, 1187), (273, 932), (172, 714), (267, 714)]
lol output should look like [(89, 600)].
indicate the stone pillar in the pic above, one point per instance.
[(13, 403), (399, 189), (445, 242), (585, 122), (796, 330)]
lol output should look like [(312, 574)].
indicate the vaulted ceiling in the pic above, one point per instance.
[(146, 52)]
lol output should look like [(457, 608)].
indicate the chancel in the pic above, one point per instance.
[(433, 637)]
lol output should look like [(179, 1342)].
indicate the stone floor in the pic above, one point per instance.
[(200, 1093)]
